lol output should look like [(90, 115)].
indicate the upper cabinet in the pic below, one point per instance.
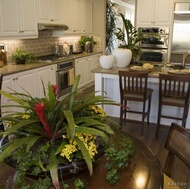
[(154, 12), (18, 19), (49, 11), (77, 14)]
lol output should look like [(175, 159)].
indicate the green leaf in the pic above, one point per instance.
[(31, 141), (11, 146), (53, 168), (73, 91), (71, 123), (85, 154), (20, 125)]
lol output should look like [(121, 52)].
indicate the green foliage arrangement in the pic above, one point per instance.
[(21, 57), (130, 37)]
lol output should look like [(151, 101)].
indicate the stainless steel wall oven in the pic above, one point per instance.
[(154, 44), (65, 77)]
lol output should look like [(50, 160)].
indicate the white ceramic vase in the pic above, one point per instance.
[(107, 61), (122, 57)]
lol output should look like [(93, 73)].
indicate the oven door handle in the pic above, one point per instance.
[(65, 70)]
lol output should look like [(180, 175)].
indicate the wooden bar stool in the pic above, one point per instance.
[(174, 91), (133, 87)]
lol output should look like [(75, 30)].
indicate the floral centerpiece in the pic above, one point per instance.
[(48, 133)]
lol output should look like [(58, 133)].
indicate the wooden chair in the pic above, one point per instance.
[(174, 90), (178, 144), (1, 124), (133, 87)]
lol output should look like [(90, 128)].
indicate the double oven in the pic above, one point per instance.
[(65, 74), (154, 44)]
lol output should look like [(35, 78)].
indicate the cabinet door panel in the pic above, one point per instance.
[(26, 82), (29, 16), (45, 74), (145, 12), (163, 12), (9, 18)]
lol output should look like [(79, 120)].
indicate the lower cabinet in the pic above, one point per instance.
[(83, 67), (28, 82), (45, 75)]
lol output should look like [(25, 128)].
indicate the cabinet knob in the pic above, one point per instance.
[(51, 20)]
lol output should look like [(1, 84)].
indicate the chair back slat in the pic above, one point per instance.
[(174, 86), (131, 82)]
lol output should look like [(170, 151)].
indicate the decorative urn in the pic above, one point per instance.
[(122, 57), (107, 61)]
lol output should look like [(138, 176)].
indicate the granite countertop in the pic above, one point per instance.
[(11, 68), (154, 73)]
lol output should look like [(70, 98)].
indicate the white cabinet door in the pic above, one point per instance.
[(68, 15), (154, 12), (87, 16), (28, 18), (49, 11), (45, 74), (80, 69), (23, 82), (18, 19), (84, 66), (145, 12), (163, 12), (77, 14)]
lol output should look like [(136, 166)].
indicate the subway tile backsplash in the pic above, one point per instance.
[(43, 44)]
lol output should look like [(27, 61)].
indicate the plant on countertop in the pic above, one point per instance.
[(21, 57), (129, 37), (84, 39), (48, 133)]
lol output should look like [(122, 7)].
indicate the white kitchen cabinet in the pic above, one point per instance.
[(154, 12), (84, 66), (77, 14), (80, 69), (22, 82), (18, 19), (49, 11), (46, 74)]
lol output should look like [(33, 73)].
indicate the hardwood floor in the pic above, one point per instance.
[(180, 173)]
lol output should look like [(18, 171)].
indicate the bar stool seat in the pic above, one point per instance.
[(133, 87), (174, 91)]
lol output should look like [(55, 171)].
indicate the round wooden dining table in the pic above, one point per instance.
[(144, 172)]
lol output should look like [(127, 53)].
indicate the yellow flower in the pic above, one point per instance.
[(98, 110)]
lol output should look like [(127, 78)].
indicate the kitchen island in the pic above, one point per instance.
[(107, 83)]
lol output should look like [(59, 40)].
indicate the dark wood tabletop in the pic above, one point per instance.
[(144, 172)]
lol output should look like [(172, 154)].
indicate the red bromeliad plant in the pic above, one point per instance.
[(44, 133)]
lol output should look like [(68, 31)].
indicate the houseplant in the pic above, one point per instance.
[(21, 57), (129, 37), (49, 133), (84, 39)]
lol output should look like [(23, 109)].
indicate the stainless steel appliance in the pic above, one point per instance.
[(181, 33), (154, 44), (65, 74), (65, 77)]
